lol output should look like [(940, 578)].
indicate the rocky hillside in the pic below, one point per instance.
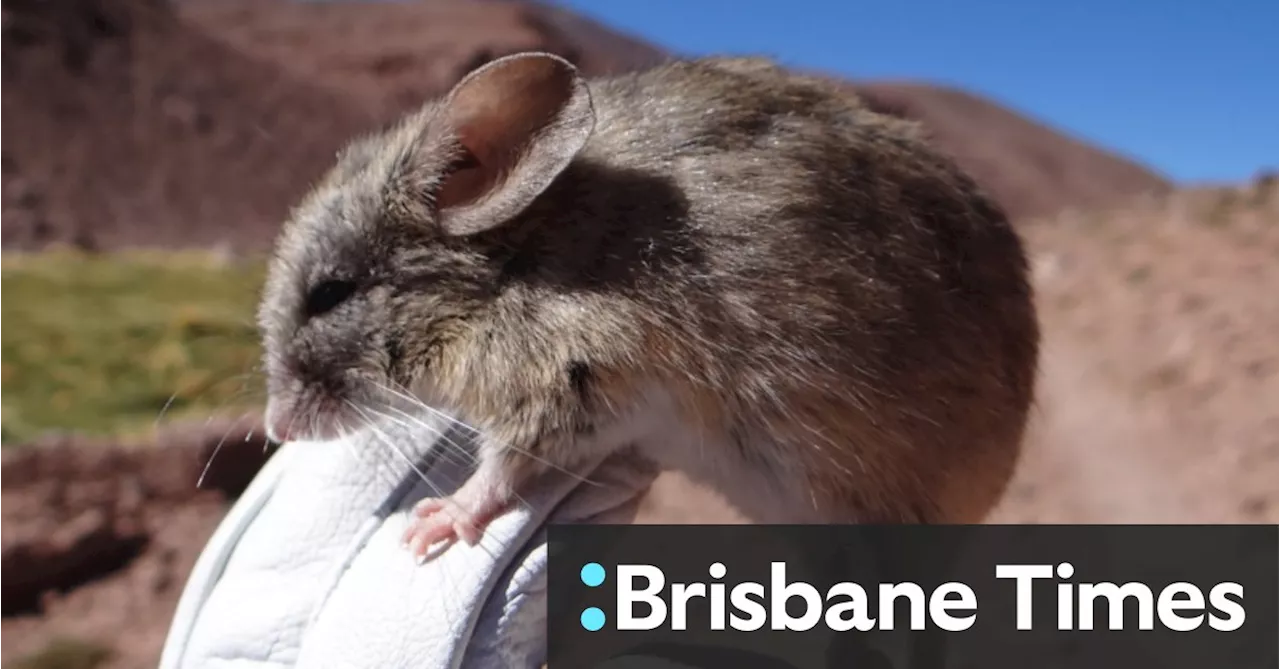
[(137, 122), (396, 71), (1033, 170), (125, 125), (1158, 397), (389, 59)]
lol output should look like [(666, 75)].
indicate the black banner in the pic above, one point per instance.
[(922, 597)]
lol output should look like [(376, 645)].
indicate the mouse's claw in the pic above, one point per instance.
[(463, 516), (424, 531)]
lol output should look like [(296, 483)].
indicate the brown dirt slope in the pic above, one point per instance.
[(1033, 170), (422, 48), (131, 124), (1158, 397), (98, 538), (123, 125), (396, 55)]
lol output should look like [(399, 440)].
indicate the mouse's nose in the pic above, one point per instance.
[(281, 425), (278, 432)]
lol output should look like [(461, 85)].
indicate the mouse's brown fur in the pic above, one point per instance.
[(809, 282)]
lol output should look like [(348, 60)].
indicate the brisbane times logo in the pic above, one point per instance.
[(994, 597), (644, 601)]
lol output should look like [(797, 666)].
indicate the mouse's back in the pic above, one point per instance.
[(826, 270), (697, 107)]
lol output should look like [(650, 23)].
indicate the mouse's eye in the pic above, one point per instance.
[(466, 160), (327, 295)]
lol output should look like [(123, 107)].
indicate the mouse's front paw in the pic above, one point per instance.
[(430, 522), (459, 516)]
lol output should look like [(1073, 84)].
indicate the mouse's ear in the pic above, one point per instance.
[(517, 122)]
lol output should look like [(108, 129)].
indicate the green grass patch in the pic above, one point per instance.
[(64, 653), (97, 344)]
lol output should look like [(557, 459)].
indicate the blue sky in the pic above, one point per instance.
[(1187, 87)]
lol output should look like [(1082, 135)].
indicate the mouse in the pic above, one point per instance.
[(719, 264)]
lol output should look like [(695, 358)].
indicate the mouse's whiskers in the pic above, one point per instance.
[(218, 448), (401, 393), (195, 394), (444, 416), (382, 437), (457, 452)]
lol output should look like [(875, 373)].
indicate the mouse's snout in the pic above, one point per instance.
[(320, 387), (280, 427), (281, 421), (317, 372), (294, 418)]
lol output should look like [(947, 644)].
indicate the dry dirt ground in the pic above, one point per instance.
[(131, 123), (98, 538), (1158, 399)]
